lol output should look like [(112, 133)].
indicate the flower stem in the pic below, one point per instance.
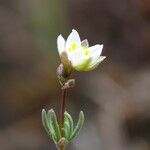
[(62, 148), (62, 107)]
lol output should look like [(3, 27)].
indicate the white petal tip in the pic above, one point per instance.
[(102, 58), (60, 36), (101, 46), (60, 44), (73, 30)]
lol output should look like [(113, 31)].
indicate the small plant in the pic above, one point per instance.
[(74, 55)]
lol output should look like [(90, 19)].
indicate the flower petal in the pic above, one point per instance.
[(84, 65), (85, 43), (76, 57), (95, 52), (61, 44), (101, 58), (73, 38), (95, 48)]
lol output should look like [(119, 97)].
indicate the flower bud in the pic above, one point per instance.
[(69, 84), (61, 72)]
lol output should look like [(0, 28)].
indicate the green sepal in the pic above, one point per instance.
[(78, 126)]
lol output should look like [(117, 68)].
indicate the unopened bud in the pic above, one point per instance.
[(61, 72), (69, 84)]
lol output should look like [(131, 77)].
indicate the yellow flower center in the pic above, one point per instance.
[(86, 51), (73, 47)]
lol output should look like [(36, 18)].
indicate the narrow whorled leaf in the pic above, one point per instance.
[(68, 116), (66, 130), (70, 120), (55, 124), (49, 118), (45, 122), (78, 126)]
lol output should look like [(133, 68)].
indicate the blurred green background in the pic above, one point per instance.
[(115, 97)]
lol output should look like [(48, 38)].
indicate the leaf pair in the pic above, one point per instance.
[(50, 124), (70, 131), (61, 136)]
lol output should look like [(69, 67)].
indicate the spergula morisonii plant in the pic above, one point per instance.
[(75, 55)]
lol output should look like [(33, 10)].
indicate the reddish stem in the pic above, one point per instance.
[(62, 107)]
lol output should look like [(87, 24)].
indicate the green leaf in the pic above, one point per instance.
[(55, 124), (69, 119), (45, 122), (66, 130), (49, 118), (78, 126)]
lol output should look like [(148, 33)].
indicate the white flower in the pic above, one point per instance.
[(78, 55)]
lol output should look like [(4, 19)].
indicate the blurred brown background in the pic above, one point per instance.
[(115, 97)]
